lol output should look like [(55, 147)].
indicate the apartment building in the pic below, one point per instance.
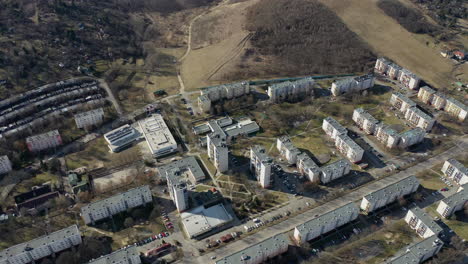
[(393, 71), (455, 171), (456, 108), (306, 166), (422, 223), (260, 165), (44, 141), (291, 90), (426, 94), (439, 100), (411, 137), (225, 91), (418, 118), (453, 203), (218, 150), (128, 255), (179, 174), (417, 252), (158, 136), (89, 118), (409, 79), (389, 194), (387, 136), (41, 247), (352, 151), (322, 224), (332, 128), (121, 138), (116, 204), (5, 164), (352, 84), (365, 121), (401, 102), (334, 171), (258, 253), (287, 149)]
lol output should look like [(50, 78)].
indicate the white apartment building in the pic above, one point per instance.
[(440, 101), (418, 118), (456, 108), (41, 247), (293, 90), (225, 91), (393, 71), (204, 103), (334, 171), (129, 255), (409, 79), (426, 94), (453, 203), (401, 102), (365, 121), (332, 128), (158, 136), (349, 148), (455, 171), (5, 164), (417, 252), (89, 118), (116, 204), (389, 194), (44, 141), (306, 166), (178, 174), (287, 149), (422, 223), (218, 150), (352, 84), (120, 138), (411, 137), (387, 136), (258, 253), (326, 222), (260, 165)]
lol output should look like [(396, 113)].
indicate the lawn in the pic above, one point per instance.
[(95, 154), (208, 164), (459, 227), (314, 141), (430, 180)]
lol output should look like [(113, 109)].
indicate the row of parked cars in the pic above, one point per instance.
[(167, 221), (152, 238)]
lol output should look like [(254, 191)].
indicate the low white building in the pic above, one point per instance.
[(350, 149), (121, 138), (178, 174), (422, 223), (352, 84), (158, 136), (202, 220), (116, 204), (291, 90), (287, 149), (128, 255), (260, 165), (258, 253), (5, 164), (401, 102), (41, 247), (417, 252), (453, 203), (418, 118), (455, 171), (326, 222), (389, 194), (89, 118), (44, 141), (365, 121)]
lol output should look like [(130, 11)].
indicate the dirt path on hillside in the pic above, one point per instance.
[(389, 39)]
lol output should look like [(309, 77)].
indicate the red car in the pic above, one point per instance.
[(162, 234)]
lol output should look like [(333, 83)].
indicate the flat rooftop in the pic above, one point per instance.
[(157, 135), (119, 256), (201, 220), (175, 169)]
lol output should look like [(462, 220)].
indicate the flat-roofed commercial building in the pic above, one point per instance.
[(365, 121), (129, 255), (326, 222), (158, 136), (178, 174), (352, 84), (121, 138), (108, 207), (291, 90), (418, 118), (258, 253), (401, 102), (422, 223), (287, 149), (44, 141), (389, 194), (454, 170), (260, 165), (417, 252), (5, 164), (229, 129), (202, 220), (41, 247), (89, 118), (453, 203)]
